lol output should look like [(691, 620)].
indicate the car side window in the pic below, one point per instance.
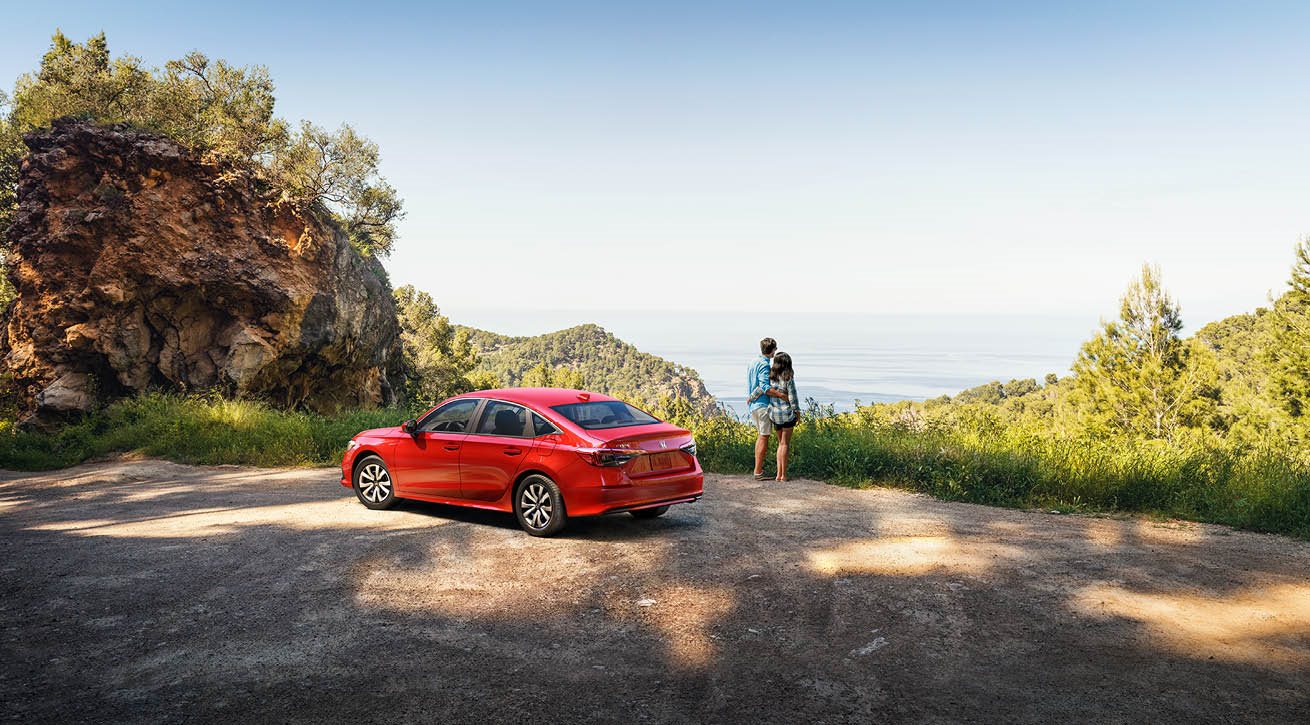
[(504, 419), (453, 417), (542, 427)]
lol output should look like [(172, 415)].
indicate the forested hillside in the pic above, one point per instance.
[(588, 357)]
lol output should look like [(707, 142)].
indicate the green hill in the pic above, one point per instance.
[(589, 357)]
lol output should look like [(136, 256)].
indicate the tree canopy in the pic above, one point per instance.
[(221, 111), (1136, 375), (438, 359), (1288, 354)]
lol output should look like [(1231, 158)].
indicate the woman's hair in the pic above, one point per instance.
[(781, 368)]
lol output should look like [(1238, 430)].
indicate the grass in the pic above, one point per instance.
[(1259, 490), (1252, 489), (194, 430)]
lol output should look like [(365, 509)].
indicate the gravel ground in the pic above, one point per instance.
[(146, 591)]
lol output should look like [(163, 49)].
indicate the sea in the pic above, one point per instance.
[(840, 360)]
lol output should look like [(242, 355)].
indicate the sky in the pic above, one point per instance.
[(813, 158)]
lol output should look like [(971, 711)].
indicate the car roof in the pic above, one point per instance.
[(541, 397)]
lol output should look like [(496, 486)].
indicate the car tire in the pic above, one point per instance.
[(539, 506), (373, 483), (649, 513)]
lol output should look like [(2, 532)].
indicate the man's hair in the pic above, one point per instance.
[(768, 345)]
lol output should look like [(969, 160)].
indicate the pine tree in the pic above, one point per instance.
[(1288, 354), (1134, 377), (545, 376), (438, 359)]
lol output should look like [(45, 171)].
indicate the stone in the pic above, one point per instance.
[(141, 266), (71, 392)]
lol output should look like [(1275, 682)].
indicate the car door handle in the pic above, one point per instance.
[(512, 451), (453, 448)]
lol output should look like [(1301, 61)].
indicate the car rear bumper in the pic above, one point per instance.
[(654, 504), (593, 501)]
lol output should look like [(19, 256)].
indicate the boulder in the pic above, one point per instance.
[(140, 266)]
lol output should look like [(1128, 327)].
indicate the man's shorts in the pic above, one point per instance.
[(763, 424)]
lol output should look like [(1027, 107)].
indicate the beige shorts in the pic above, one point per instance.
[(763, 424)]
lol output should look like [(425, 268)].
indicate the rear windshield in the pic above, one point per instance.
[(604, 414)]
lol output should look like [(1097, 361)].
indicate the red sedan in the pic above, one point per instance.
[(543, 453)]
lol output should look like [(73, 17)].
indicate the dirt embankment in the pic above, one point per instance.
[(146, 591)]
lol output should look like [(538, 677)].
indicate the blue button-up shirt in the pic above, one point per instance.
[(757, 381)]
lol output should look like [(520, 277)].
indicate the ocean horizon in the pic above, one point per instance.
[(840, 359)]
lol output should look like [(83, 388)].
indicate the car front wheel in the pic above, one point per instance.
[(539, 506), (373, 484)]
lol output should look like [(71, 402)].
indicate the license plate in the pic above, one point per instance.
[(657, 462), (665, 461)]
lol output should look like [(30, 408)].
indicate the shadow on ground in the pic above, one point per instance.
[(145, 591)]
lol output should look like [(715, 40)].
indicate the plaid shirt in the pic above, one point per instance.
[(784, 410)]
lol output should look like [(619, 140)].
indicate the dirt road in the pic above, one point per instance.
[(148, 591)]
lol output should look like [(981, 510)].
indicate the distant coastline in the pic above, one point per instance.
[(839, 360)]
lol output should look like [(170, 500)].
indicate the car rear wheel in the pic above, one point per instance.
[(539, 506), (649, 513), (373, 484)]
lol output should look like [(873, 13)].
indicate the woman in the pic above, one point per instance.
[(784, 406)]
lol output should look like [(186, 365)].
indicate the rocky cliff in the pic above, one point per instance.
[(138, 266)]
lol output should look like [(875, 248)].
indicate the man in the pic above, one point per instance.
[(757, 383)]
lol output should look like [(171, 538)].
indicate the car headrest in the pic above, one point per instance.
[(508, 423)]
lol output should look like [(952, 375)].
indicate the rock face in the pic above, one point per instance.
[(140, 267)]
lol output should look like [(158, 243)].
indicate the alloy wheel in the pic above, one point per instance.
[(374, 483), (537, 505)]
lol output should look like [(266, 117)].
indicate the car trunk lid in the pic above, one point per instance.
[(661, 444)]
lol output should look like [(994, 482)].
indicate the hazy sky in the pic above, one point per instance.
[(876, 158)]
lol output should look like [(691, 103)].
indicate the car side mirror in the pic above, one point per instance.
[(410, 426)]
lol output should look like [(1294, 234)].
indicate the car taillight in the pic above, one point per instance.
[(607, 456), (690, 448)]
